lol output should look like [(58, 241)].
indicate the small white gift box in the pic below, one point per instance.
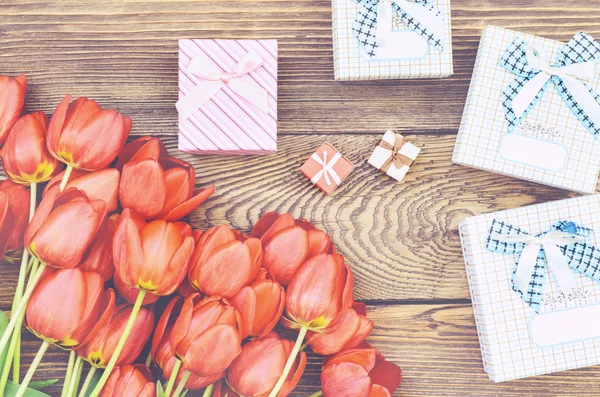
[(394, 155)]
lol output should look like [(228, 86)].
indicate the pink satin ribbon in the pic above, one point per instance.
[(213, 79)]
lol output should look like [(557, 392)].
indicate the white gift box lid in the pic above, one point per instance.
[(551, 146), (515, 341)]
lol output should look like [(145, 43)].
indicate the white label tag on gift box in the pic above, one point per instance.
[(566, 326), (533, 151), (399, 45)]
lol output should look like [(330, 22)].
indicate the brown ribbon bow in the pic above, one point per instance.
[(396, 158)]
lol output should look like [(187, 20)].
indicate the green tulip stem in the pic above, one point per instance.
[(209, 391), (121, 344), (32, 368), (290, 362), (16, 319), (16, 352), (317, 394), (12, 347), (75, 378), (88, 381), (65, 178), (69, 373), (172, 378), (182, 382)]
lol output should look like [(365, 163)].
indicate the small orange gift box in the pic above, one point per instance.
[(327, 168)]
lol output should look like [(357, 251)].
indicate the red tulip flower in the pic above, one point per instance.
[(65, 306), (361, 372), (224, 262), (24, 155), (163, 354), (260, 305), (154, 258), (64, 227), (82, 135), (205, 336), (14, 212), (320, 293), (348, 333), (130, 381), (256, 370), (97, 185), (156, 185), (99, 256), (12, 99), (288, 243), (100, 344)]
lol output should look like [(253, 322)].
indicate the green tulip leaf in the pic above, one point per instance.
[(42, 384), (12, 389), (94, 382), (185, 392), (3, 325)]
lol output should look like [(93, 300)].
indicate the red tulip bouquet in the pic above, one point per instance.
[(110, 272)]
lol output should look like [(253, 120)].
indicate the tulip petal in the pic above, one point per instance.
[(40, 215), (178, 267), (99, 185), (148, 147), (188, 206), (345, 379), (228, 269), (183, 321), (162, 323), (285, 252), (379, 391), (365, 357), (319, 242), (245, 302), (55, 126), (93, 303), (386, 374), (66, 234), (283, 222), (128, 254), (143, 187), (213, 350), (270, 300), (7, 222), (263, 224)]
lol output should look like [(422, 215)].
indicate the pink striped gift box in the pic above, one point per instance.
[(227, 96)]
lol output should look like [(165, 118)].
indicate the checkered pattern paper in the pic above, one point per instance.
[(502, 316), (484, 124), (351, 64)]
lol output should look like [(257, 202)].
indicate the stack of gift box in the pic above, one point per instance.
[(532, 112)]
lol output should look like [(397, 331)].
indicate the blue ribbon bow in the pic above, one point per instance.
[(579, 256), (580, 49), (365, 24)]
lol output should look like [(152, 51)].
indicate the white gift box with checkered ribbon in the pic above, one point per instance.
[(406, 50), (552, 142), (519, 339)]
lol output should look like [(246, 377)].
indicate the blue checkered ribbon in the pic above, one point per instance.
[(579, 256), (409, 11), (575, 63)]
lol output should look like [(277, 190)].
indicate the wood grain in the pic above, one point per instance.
[(437, 349), (124, 54)]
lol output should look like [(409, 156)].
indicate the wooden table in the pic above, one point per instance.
[(401, 238)]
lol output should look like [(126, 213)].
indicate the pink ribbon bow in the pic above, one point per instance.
[(213, 80)]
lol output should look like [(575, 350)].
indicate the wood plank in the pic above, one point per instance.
[(437, 348), (124, 54), (401, 238)]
